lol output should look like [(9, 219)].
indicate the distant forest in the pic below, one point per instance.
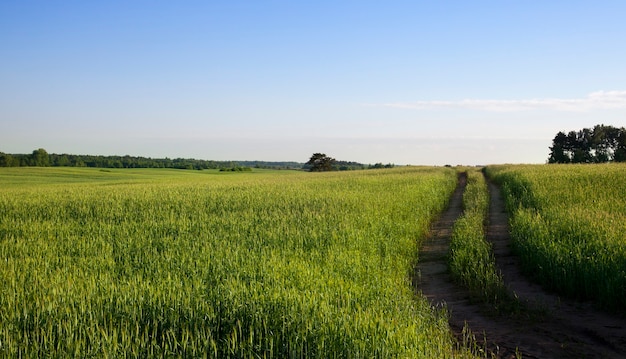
[(42, 158), (589, 145)]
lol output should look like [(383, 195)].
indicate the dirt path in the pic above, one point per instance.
[(550, 327)]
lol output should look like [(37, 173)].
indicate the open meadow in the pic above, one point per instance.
[(267, 264)]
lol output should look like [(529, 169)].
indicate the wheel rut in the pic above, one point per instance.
[(546, 326)]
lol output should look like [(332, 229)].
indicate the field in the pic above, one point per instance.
[(267, 264), (568, 224)]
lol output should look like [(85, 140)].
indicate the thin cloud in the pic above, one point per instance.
[(599, 100)]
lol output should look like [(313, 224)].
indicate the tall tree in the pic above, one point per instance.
[(559, 152)]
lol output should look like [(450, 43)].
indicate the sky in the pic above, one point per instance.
[(403, 82)]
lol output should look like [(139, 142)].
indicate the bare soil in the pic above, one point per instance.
[(546, 326)]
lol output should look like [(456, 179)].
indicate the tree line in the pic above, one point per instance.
[(320, 162), (589, 145), (42, 158)]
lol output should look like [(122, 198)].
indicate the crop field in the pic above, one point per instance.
[(569, 227), (263, 264)]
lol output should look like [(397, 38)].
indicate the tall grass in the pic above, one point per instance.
[(471, 260), (200, 264), (569, 225)]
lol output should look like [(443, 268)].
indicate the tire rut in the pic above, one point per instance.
[(547, 326)]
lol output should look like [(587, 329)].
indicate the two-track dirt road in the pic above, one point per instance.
[(548, 327)]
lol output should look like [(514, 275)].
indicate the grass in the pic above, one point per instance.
[(264, 264), (568, 224), (471, 260)]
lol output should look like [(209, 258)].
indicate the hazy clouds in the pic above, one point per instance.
[(599, 100)]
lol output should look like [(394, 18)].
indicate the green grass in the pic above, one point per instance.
[(471, 260), (568, 224), (267, 264)]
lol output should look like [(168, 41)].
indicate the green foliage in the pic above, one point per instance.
[(349, 166), (471, 258), (589, 145), (568, 224), (41, 158), (6, 160), (380, 165), (157, 263), (38, 158), (319, 162)]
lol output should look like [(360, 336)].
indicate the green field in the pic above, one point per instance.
[(264, 264), (569, 224)]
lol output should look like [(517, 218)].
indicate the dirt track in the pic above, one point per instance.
[(548, 327)]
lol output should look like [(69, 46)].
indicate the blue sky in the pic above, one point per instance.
[(405, 82)]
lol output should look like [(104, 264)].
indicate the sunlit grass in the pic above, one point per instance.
[(569, 225), (171, 263), (471, 259)]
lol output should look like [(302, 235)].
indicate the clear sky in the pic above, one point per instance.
[(404, 82)]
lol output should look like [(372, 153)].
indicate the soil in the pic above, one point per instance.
[(546, 326)]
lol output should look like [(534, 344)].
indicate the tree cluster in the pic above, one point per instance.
[(320, 162), (380, 165), (589, 145)]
